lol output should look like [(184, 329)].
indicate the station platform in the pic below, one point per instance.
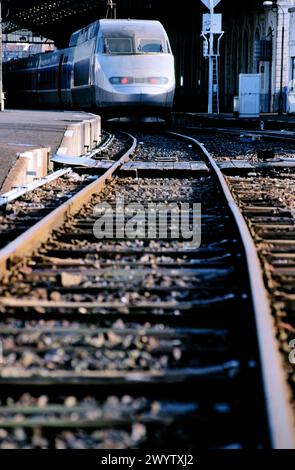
[(270, 121), (29, 138)]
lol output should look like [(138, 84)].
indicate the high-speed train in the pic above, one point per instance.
[(118, 65)]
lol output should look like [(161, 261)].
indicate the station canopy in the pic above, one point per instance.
[(58, 19)]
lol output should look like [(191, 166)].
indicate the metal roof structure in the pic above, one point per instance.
[(57, 19)]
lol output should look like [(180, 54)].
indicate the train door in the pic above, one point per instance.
[(59, 81), (66, 79), (82, 70), (34, 85), (98, 75), (49, 79)]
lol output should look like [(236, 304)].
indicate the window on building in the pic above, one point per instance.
[(234, 64), (245, 53)]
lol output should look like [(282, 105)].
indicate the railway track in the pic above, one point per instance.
[(271, 220), (266, 199), (22, 207), (133, 343)]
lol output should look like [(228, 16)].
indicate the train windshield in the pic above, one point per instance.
[(118, 46), (150, 46), (134, 37), (132, 45)]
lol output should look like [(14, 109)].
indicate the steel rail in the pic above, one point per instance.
[(100, 148), (32, 238), (268, 135), (280, 412), (21, 190)]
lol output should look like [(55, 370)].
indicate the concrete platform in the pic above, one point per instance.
[(29, 138)]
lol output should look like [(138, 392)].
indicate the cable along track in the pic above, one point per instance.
[(131, 318)]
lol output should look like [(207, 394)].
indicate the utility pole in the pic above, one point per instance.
[(211, 50), (212, 34), (211, 46), (111, 8)]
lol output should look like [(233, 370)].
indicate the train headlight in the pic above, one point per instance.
[(131, 80), (158, 80), (121, 80)]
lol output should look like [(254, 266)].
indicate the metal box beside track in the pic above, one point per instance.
[(249, 94)]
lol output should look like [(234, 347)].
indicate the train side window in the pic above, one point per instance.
[(101, 46), (81, 72), (83, 36), (74, 39), (93, 29), (150, 46)]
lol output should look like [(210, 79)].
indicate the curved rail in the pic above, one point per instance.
[(101, 148), (278, 397), (29, 240)]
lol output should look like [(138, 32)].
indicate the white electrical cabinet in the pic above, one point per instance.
[(291, 103), (249, 94)]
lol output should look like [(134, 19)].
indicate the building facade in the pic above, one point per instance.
[(277, 27), (291, 86), (260, 41), (256, 40)]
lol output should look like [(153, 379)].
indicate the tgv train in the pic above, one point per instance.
[(118, 65)]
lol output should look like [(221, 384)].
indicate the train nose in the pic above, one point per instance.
[(138, 96), (151, 90), (153, 95)]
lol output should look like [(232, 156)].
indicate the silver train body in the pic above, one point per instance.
[(117, 65)]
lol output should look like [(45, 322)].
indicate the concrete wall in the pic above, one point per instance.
[(29, 166), (81, 137)]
